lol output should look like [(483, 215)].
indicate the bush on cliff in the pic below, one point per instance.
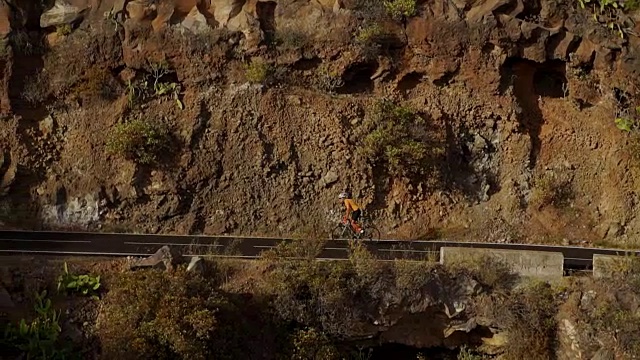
[(398, 138), (139, 141)]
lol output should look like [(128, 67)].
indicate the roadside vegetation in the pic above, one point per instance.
[(306, 309)]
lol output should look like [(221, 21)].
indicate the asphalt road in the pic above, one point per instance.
[(111, 244)]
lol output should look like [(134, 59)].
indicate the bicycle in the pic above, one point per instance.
[(344, 231)]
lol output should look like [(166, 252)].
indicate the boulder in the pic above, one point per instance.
[(164, 12), (585, 54), (330, 178), (466, 326), (165, 259), (61, 13), (486, 7), (226, 9), (565, 40), (47, 125), (196, 264), (139, 10), (195, 22)]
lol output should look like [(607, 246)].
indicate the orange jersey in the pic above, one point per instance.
[(350, 204)]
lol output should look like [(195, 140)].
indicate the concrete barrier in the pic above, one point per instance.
[(605, 265), (543, 265)]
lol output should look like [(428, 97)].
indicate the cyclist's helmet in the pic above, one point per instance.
[(343, 195)]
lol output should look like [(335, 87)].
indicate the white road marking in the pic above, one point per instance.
[(47, 241), (75, 253), (410, 250), (174, 244)]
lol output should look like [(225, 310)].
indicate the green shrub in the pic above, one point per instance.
[(628, 120), (38, 339), (398, 139), (609, 5), (369, 34), (372, 39), (466, 354), (335, 297), (290, 39), (138, 141), (157, 71), (161, 315), (327, 80), (608, 13), (83, 284), (313, 344), (399, 9), (257, 71), (63, 30), (487, 270), (632, 5)]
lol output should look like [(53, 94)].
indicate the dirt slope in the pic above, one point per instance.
[(518, 101)]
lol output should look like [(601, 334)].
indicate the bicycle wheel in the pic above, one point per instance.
[(371, 233), (340, 232)]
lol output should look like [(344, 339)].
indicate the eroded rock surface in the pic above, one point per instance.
[(512, 93)]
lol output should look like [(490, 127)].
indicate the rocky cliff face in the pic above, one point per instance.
[(518, 101)]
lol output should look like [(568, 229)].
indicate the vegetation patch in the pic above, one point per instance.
[(309, 343), (39, 338), (156, 82), (400, 9), (26, 43), (378, 10), (159, 71), (369, 34), (611, 13), (306, 309), (530, 322), (327, 79), (258, 71), (628, 119), (82, 284), (608, 313), (552, 188), (371, 37), (487, 270), (157, 315), (63, 30), (290, 39), (139, 141), (398, 138)]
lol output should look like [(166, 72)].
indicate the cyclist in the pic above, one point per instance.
[(352, 209)]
